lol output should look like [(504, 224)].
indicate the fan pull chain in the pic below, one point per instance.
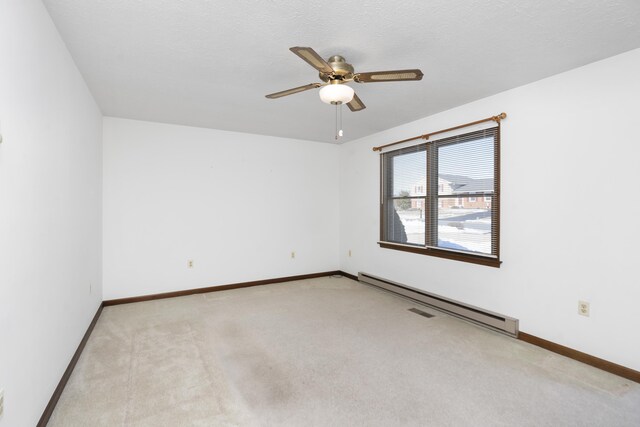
[(340, 128), (336, 122), (339, 132)]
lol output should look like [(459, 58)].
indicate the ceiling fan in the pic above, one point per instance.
[(335, 72)]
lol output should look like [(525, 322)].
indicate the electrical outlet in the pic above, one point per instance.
[(583, 308), (1, 401), (190, 263), (349, 252), (293, 254)]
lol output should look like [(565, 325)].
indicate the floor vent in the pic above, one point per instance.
[(479, 316), (421, 313)]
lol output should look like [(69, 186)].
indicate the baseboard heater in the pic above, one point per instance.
[(488, 319)]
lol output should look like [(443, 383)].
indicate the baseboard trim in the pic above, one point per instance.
[(217, 288), (46, 415), (350, 276), (596, 362)]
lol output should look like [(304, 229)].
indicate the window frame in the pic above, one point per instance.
[(432, 201)]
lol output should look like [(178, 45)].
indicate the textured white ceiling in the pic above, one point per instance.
[(209, 63)]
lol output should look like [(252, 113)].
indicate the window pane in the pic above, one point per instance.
[(466, 167), (409, 174), (464, 228), (405, 221)]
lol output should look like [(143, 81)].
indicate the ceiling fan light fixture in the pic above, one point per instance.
[(336, 94)]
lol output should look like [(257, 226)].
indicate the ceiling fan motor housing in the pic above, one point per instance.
[(341, 69)]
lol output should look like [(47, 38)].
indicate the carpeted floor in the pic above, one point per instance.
[(323, 352)]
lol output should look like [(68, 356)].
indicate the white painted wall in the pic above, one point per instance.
[(50, 209), (570, 215), (236, 204)]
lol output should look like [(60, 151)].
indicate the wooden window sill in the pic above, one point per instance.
[(457, 256)]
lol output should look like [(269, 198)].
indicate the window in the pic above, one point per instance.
[(443, 220)]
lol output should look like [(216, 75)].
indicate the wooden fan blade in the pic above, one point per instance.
[(312, 58), (388, 76), (293, 90), (356, 104)]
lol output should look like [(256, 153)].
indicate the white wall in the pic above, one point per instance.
[(50, 209), (236, 204), (570, 215)]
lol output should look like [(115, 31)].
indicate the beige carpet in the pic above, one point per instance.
[(324, 352)]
